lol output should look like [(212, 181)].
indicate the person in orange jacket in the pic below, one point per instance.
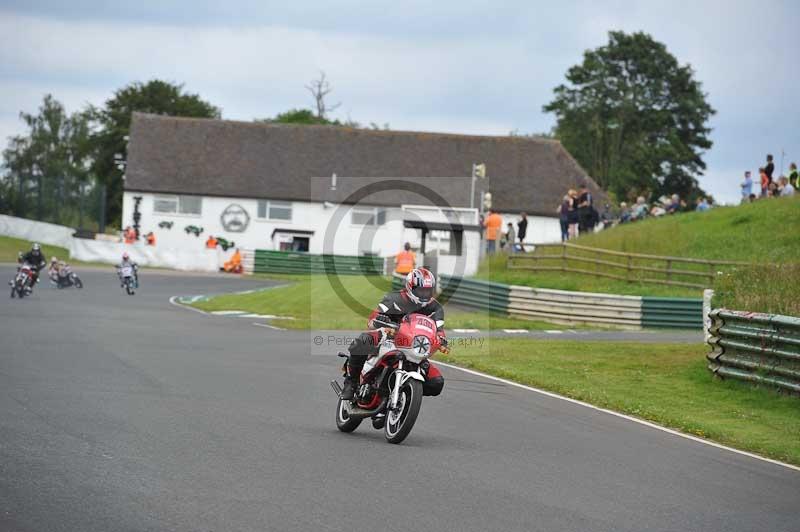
[(405, 261), (211, 243), (151, 239), (129, 235), (493, 225), (235, 264)]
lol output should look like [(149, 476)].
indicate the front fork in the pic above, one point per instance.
[(396, 381)]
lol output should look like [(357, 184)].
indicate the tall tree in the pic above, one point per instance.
[(634, 117), (114, 119), (47, 166)]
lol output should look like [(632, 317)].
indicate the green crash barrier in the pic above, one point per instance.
[(306, 263), (672, 312), (755, 347)]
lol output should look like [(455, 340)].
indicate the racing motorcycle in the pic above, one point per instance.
[(22, 285), (128, 278), (390, 387), (66, 278)]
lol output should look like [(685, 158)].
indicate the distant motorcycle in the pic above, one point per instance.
[(128, 278), (22, 285), (66, 278)]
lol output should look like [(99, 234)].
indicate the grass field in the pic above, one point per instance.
[(766, 232), (316, 305), (664, 383), (9, 247)]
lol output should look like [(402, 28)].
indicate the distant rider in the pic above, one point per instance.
[(126, 261), (35, 258), (52, 270), (416, 296)]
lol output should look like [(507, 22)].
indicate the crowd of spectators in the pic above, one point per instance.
[(770, 187)]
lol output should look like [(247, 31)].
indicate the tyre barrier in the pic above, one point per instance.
[(757, 348)]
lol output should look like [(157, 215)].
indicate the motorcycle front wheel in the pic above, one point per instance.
[(78, 282), (343, 420), (399, 422)]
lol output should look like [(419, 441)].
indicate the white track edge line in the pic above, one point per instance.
[(623, 416), (267, 325), (173, 301)]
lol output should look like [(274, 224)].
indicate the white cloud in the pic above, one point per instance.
[(481, 70)]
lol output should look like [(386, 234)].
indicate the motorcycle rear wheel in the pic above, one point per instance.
[(398, 425), (343, 420)]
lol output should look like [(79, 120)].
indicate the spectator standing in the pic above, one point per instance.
[(563, 217), (511, 238), (747, 187), (212, 242), (770, 168), (522, 224), (493, 225), (405, 261), (573, 218), (702, 205), (794, 177), (129, 235), (764, 182), (585, 210), (151, 239)]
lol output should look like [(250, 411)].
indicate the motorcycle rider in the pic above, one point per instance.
[(416, 296), (52, 270), (126, 261), (35, 258)]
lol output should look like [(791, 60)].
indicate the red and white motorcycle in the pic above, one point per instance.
[(22, 285), (390, 388)]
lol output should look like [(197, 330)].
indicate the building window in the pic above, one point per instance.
[(368, 216), (165, 204), (275, 210), (190, 205), (178, 205)]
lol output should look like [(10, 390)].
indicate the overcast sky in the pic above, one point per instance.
[(482, 67)]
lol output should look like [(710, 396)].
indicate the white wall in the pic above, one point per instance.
[(541, 229), (330, 222), (41, 232)]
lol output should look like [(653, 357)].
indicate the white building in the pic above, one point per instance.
[(336, 190)]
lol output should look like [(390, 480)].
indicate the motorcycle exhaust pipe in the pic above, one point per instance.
[(336, 388)]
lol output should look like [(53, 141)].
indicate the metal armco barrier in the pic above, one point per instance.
[(306, 263), (560, 306), (758, 348), (484, 295), (567, 308), (673, 312)]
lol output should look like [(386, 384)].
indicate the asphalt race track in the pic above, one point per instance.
[(123, 413)]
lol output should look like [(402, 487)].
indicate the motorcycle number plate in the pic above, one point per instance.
[(127, 271)]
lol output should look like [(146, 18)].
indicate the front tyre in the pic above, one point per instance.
[(344, 422), (400, 422)]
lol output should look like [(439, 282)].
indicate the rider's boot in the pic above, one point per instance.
[(351, 382)]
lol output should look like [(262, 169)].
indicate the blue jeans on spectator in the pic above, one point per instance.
[(564, 229), (491, 247)]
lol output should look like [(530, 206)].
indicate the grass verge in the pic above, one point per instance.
[(315, 304), (664, 383)]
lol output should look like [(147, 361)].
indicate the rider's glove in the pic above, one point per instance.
[(381, 319)]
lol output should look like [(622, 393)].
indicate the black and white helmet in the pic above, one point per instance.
[(36, 247)]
